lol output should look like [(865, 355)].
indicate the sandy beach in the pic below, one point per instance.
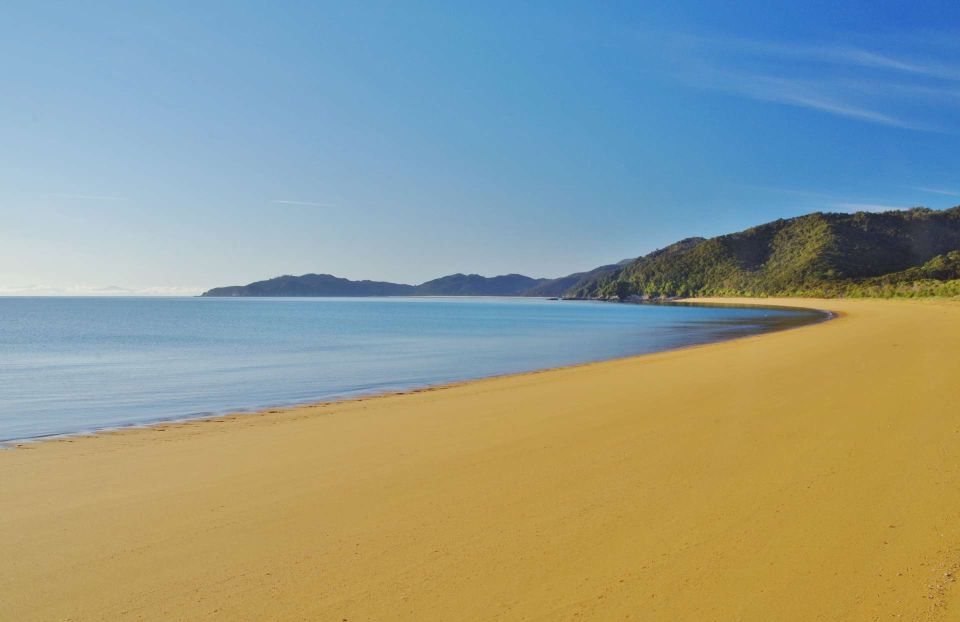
[(811, 474)]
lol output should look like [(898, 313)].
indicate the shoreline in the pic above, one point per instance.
[(793, 475), (827, 315)]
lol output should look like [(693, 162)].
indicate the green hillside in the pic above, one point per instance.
[(911, 252), (476, 285), (557, 287), (899, 253), (311, 285)]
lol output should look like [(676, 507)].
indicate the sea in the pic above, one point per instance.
[(80, 365)]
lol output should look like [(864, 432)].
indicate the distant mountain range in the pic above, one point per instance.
[(476, 285), (327, 285), (910, 252), (313, 285)]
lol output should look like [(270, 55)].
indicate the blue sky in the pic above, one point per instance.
[(170, 147)]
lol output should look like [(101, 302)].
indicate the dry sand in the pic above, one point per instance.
[(812, 474)]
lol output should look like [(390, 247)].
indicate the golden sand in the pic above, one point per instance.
[(811, 474)]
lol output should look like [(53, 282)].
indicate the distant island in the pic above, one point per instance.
[(328, 285), (913, 252)]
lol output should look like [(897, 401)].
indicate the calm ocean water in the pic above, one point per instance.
[(70, 365)]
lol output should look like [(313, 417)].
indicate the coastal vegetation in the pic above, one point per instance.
[(909, 253), (914, 252)]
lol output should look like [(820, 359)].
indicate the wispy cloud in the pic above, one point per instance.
[(804, 94), (866, 58), (88, 197), (793, 191), (949, 193), (849, 55), (827, 201), (98, 290), (303, 203), (918, 92)]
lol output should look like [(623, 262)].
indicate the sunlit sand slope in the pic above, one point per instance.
[(812, 474)]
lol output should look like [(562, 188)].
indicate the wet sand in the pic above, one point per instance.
[(811, 474)]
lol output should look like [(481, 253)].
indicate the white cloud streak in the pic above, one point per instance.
[(832, 201), (302, 203), (98, 290), (843, 55), (846, 81), (805, 94), (949, 193), (88, 197)]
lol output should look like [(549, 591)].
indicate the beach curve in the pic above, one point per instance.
[(803, 474)]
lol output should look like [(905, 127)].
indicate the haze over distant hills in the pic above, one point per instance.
[(476, 285), (313, 285), (910, 252), (328, 285)]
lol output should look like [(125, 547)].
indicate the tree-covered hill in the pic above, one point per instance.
[(558, 287), (312, 285), (898, 253), (890, 253), (476, 285)]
